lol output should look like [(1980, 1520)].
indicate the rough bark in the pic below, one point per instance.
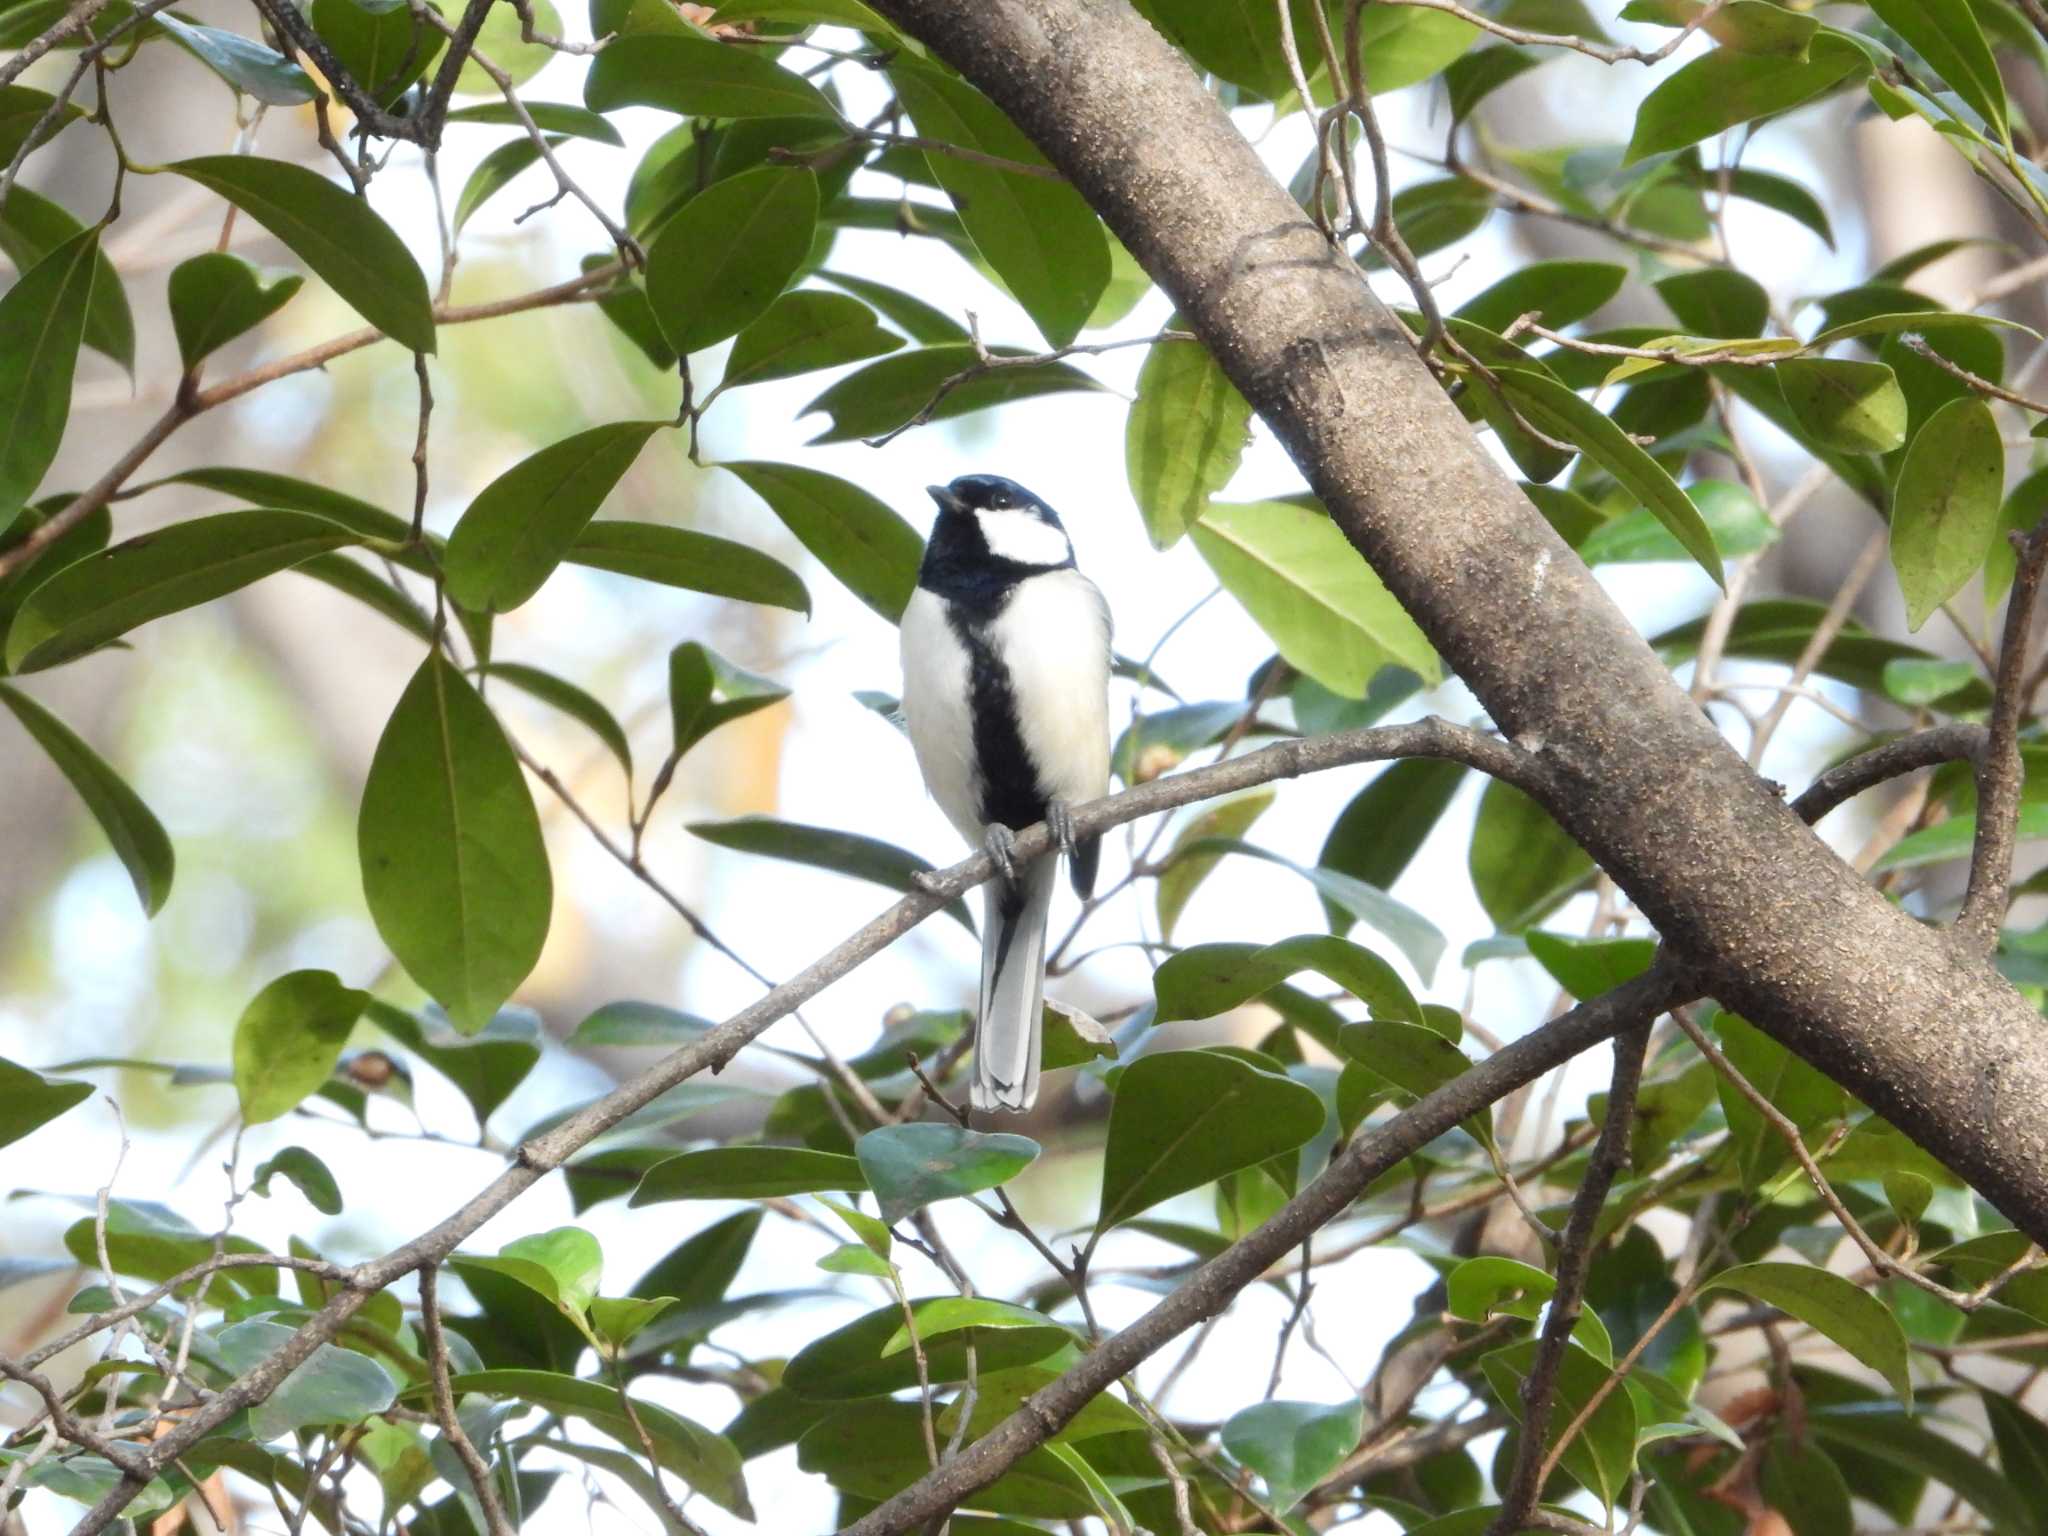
[(1781, 928)]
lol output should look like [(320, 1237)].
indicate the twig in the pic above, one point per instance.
[(1907, 754), (73, 22), (1823, 636), (1982, 386), (1605, 53), (444, 1408), (371, 118)]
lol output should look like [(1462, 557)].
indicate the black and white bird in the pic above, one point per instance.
[(1006, 694)]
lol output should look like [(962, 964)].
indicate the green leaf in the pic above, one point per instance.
[(1182, 872), (571, 1259), (853, 534), (485, 1066), (1182, 1119), (548, 117), (31, 228), (869, 1451), (42, 323), (288, 1040), (729, 252), (572, 701), (1070, 1038), (307, 1173), (1184, 437), (1562, 413), (1952, 839), (701, 1269), (696, 77), (2022, 1443), (1236, 40), (1804, 1095), (955, 1314), (1312, 593), (454, 869), (152, 1242), (1855, 407), (216, 297), (105, 595), (1912, 320), (1588, 967), (803, 332), (856, 1259), (705, 691), (912, 316), (333, 1386), (1475, 76), (1717, 90), (705, 1461), (696, 562), (848, 1363), (28, 1100), (1946, 505), (910, 1166), (520, 526), (1914, 682), (2025, 505), (1830, 1305), (1561, 292), (1736, 523), (618, 1319), (335, 233), (1780, 194), (496, 171), (1040, 236), (1293, 1446), (889, 393), (1209, 979), (136, 835), (22, 108), (1945, 33), (384, 47), (1481, 1288), (1523, 864), (827, 848), (747, 1173), (242, 62), (1602, 1454), (1882, 1434), (1418, 939), (500, 40), (1415, 1059), (1384, 826), (1434, 214), (1404, 46)]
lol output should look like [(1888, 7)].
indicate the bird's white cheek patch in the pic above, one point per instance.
[(1024, 538)]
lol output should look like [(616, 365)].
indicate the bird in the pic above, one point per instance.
[(1006, 664)]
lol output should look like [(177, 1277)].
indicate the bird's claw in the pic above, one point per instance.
[(1059, 820), (999, 840)]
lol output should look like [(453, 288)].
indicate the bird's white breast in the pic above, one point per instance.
[(937, 709), (1053, 636)]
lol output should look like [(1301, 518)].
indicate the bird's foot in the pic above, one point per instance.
[(1059, 820), (999, 840)]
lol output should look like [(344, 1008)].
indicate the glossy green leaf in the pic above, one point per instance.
[(853, 534), (1946, 505), (1852, 406), (1386, 823), (303, 1171), (1801, 1093), (944, 1315), (869, 1451), (1523, 864), (105, 595), (580, 706), (1185, 435), (1890, 322), (849, 1362), (802, 332), (1914, 683), (705, 1461), (1293, 1446), (29, 1100), (729, 252), (288, 1040), (843, 853), (1737, 525), (1562, 413), (1209, 979), (137, 837), (520, 526), (454, 869), (856, 1259), (242, 62), (1313, 594), (548, 117), (1236, 40), (1588, 967), (1830, 1305), (485, 1066), (31, 228), (1887, 1438), (747, 1173), (333, 1386), (335, 233), (569, 1258), (705, 691), (384, 47), (1403, 46), (1945, 33), (696, 77), (42, 324), (886, 394), (216, 297), (493, 173), (2022, 1442), (22, 109), (697, 562), (1182, 1119), (1040, 236), (1561, 293), (910, 1166), (909, 314), (700, 1270), (1415, 1059), (1434, 214), (1725, 87), (1183, 870), (1603, 1453), (1479, 1289)]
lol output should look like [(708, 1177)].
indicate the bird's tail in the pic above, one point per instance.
[(1013, 988)]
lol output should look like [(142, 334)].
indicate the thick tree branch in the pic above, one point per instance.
[(1782, 930)]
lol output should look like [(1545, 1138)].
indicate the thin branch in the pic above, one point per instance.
[(1823, 636), (1980, 385), (444, 1408), (1999, 771), (371, 119), (1605, 53), (73, 22), (1907, 754)]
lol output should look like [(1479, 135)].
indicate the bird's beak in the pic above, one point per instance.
[(948, 500)]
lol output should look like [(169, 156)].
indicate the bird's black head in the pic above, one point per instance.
[(988, 520), (990, 493)]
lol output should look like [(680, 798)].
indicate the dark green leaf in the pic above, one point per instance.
[(548, 116), (335, 233), (1717, 90), (1183, 871), (1293, 1446), (802, 332), (1830, 1305), (697, 562), (454, 869), (1182, 1119), (334, 1386), (849, 1362), (1602, 1454), (305, 1171), (31, 227), (574, 702), (28, 1100), (747, 1173), (1236, 40), (22, 108), (943, 1315), (1184, 437), (1856, 407), (886, 394), (706, 691), (1415, 1059), (1523, 864), (244, 63), (1477, 75), (1952, 839), (1209, 979), (1945, 33), (1892, 1443), (1384, 827), (910, 1166), (1737, 524), (915, 318), (216, 297), (854, 535), (728, 252), (700, 1270), (1435, 214), (1562, 293), (493, 173), (486, 1065), (288, 1040), (1802, 1094), (152, 1242), (1418, 939), (696, 77), (521, 525), (1588, 967), (843, 853), (384, 47), (42, 323), (105, 595), (1716, 301), (137, 836), (2022, 1446), (873, 1450), (1946, 505)]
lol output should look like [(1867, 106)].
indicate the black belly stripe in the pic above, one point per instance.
[(1006, 779)]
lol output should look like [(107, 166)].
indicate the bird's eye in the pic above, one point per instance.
[(999, 502)]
